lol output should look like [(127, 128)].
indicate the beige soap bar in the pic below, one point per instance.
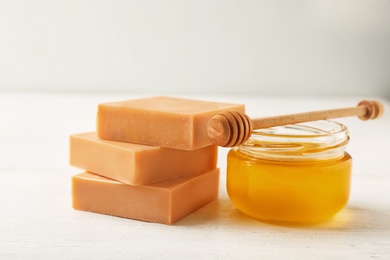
[(162, 202), (137, 164), (160, 121)]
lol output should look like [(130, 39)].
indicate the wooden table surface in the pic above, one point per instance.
[(37, 220)]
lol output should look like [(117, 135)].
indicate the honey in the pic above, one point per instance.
[(296, 173)]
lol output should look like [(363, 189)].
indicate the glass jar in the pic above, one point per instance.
[(295, 173)]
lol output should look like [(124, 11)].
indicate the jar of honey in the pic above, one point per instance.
[(292, 174)]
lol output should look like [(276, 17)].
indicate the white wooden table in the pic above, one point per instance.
[(37, 220)]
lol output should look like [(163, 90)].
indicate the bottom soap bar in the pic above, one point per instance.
[(162, 202)]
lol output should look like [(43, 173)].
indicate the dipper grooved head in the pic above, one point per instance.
[(229, 128)]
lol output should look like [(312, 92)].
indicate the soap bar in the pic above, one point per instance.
[(162, 202), (160, 121), (137, 164)]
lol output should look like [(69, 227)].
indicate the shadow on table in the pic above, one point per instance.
[(357, 218), (223, 212)]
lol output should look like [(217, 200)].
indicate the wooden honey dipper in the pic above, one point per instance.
[(232, 128)]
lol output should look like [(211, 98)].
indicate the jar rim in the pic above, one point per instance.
[(316, 140), (315, 131)]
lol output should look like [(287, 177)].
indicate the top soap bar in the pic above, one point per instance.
[(160, 121)]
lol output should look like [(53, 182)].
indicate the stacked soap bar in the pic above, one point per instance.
[(150, 159)]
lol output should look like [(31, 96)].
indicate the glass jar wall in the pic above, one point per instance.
[(295, 173)]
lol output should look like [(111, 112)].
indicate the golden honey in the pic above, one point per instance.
[(296, 173)]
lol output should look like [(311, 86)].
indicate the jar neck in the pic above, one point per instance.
[(319, 140)]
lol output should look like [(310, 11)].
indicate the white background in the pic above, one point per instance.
[(300, 47)]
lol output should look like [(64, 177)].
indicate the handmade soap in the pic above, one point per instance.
[(160, 121), (162, 202), (137, 164)]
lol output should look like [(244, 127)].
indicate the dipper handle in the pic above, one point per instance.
[(232, 128)]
